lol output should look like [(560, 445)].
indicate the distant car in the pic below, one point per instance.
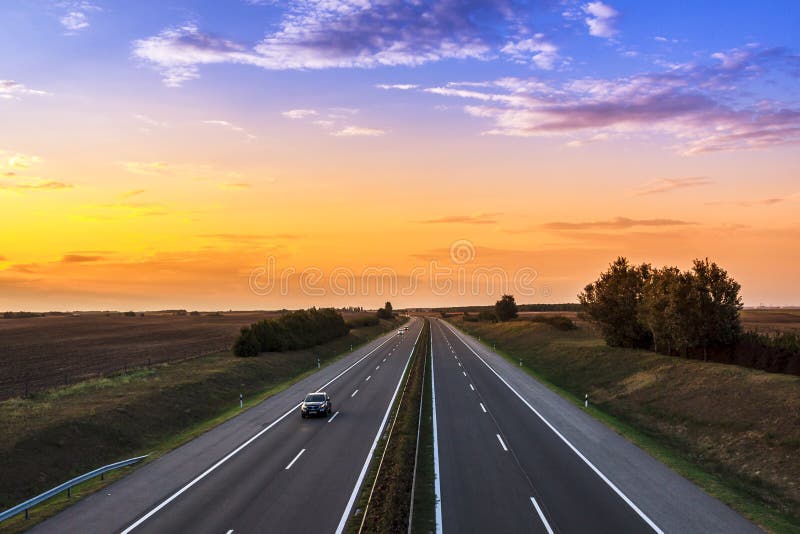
[(401, 332), (317, 403)]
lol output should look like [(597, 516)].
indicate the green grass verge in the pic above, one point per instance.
[(385, 495), (56, 435), (571, 364), (424, 519)]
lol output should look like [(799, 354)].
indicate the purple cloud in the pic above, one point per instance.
[(342, 34), (702, 105)]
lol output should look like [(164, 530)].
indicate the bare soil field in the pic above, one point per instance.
[(42, 352), (772, 320)]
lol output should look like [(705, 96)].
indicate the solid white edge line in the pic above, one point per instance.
[(354, 493), (541, 516), (436, 478), (231, 454), (564, 439), (299, 454), (482, 407), (502, 444), (334, 417), (353, 394)]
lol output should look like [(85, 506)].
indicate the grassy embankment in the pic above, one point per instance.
[(383, 505), (733, 431), (55, 435)]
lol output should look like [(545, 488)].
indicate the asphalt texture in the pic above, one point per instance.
[(267, 470), (513, 456)]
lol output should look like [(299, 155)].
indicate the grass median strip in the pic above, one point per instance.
[(53, 436), (385, 498)]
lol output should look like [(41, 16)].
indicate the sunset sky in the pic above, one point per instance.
[(161, 154)]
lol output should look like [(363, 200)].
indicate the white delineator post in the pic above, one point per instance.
[(241, 400), (586, 401)]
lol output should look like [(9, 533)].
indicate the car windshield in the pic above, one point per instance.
[(315, 398)]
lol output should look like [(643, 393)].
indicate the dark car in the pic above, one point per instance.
[(318, 403)]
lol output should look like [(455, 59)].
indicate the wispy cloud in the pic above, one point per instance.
[(358, 131), (251, 238), (12, 90), (80, 258), (230, 127), (694, 103), (617, 223), (76, 17), (482, 218), (768, 201), (665, 185), (299, 113), (148, 122), (37, 185), (601, 19), (130, 194), (346, 34), (536, 50), (397, 86), (15, 175)]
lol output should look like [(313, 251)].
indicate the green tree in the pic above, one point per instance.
[(505, 308), (654, 303), (386, 312), (246, 344), (612, 302), (718, 304)]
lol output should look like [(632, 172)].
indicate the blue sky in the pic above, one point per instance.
[(561, 132)]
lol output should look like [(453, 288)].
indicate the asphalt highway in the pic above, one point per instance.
[(502, 469), (277, 474), (510, 456)]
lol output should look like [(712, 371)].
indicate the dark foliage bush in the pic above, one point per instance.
[(292, 331), (559, 322)]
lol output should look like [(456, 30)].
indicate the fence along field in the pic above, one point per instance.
[(44, 352)]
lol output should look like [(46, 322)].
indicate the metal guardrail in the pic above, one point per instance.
[(100, 471)]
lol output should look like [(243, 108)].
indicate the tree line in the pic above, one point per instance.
[(665, 309), (294, 330)]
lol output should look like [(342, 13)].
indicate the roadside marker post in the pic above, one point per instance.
[(241, 400), (318, 364), (586, 401)]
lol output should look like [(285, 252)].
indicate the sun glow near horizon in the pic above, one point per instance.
[(153, 159)]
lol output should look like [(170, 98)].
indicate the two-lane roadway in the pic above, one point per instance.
[(280, 474), (504, 470)]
